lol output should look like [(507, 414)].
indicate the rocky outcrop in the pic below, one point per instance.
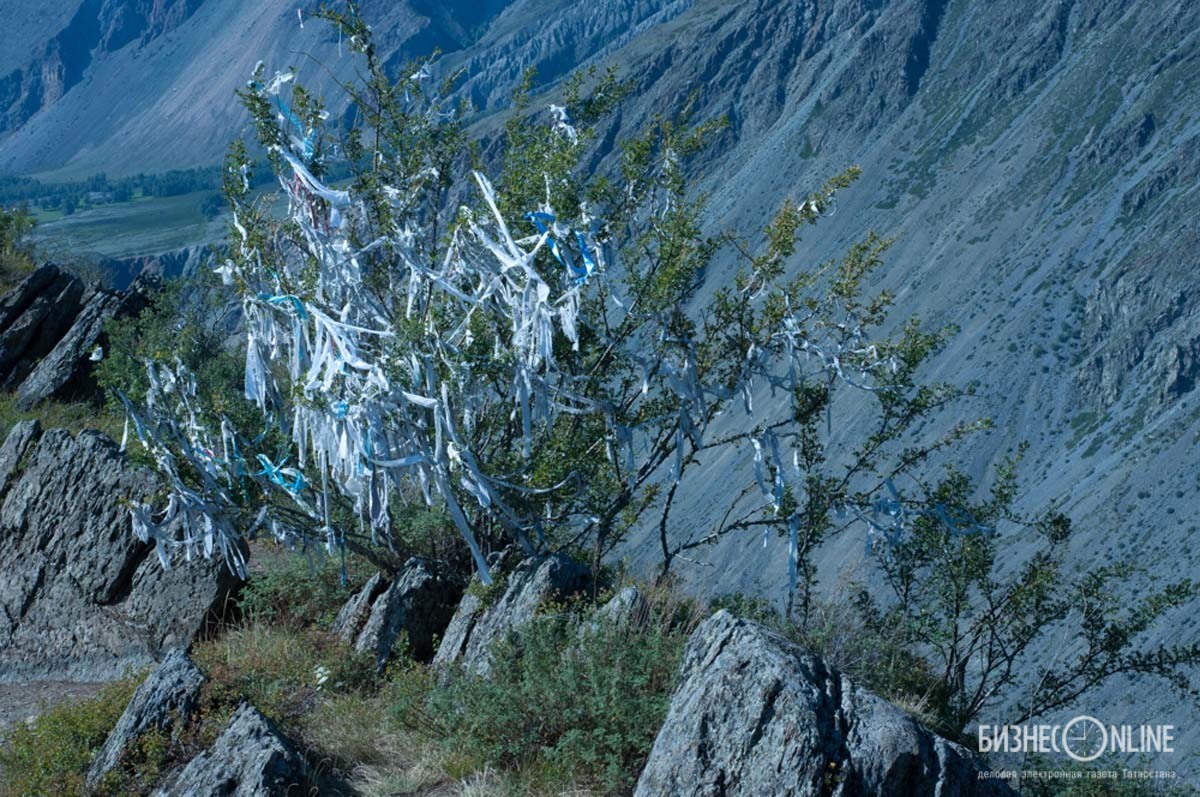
[(50, 326), (477, 626), (755, 714), (249, 759), (33, 318), (66, 371), (162, 703), (81, 598), (97, 28), (130, 272), (354, 613), (417, 606), (628, 609)]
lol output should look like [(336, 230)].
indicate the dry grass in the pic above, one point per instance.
[(73, 415)]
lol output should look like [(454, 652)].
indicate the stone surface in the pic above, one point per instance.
[(82, 599), (755, 714), (627, 608), (249, 759), (418, 605), (34, 316), (354, 613), (165, 699), (454, 639), (476, 627), (50, 324), (65, 372)]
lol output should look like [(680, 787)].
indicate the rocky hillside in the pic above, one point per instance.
[(1036, 161), (128, 86), (83, 599)]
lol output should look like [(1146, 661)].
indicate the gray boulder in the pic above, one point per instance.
[(628, 608), (417, 604), (476, 628), (34, 316), (165, 700), (65, 372), (249, 759), (82, 599), (354, 613), (458, 632), (755, 714)]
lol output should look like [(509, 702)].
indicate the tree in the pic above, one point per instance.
[(533, 357), (522, 352), (15, 226), (16, 253), (947, 600), (531, 354)]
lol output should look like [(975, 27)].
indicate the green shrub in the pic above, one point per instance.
[(51, 755), (563, 704), (146, 759), (282, 670), (16, 255), (301, 593)]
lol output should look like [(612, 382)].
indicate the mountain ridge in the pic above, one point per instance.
[(1036, 163)]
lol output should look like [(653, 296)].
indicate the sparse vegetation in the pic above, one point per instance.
[(16, 253), (300, 591), (51, 754), (73, 415)]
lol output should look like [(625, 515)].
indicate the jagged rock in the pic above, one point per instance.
[(354, 613), (419, 604), (50, 324), (755, 714), (82, 599), (20, 437), (168, 696), (249, 759), (476, 628), (627, 608), (65, 371), (33, 318), (138, 271), (454, 640)]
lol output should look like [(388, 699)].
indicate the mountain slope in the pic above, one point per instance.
[(127, 86), (131, 86), (1037, 164), (1036, 161)]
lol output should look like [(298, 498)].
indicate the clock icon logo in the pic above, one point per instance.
[(1084, 738)]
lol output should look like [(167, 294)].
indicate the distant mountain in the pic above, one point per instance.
[(1038, 162), (145, 85), (127, 86)]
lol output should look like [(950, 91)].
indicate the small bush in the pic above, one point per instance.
[(146, 759), (301, 593), (51, 755), (567, 703), (16, 253), (283, 671)]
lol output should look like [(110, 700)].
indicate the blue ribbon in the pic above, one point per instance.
[(275, 474), (544, 223), (294, 301)]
